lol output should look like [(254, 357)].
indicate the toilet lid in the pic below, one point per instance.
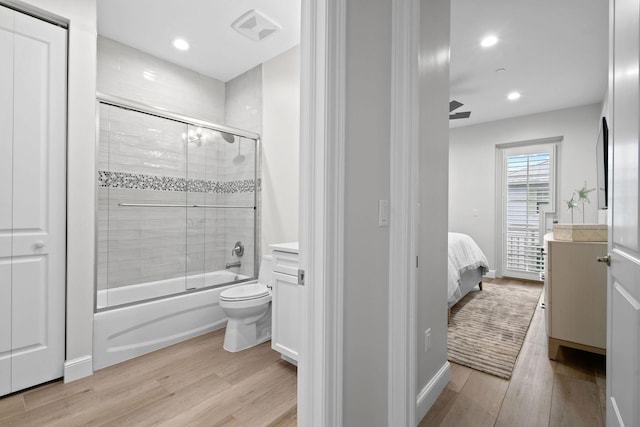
[(245, 292)]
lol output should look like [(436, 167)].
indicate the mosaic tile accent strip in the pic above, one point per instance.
[(138, 181)]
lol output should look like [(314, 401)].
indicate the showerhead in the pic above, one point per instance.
[(230, 138)]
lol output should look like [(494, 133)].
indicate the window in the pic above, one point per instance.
[(528, 191)]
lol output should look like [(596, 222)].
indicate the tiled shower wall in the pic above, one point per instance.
[(243, 110), (132, 74), (143, 159)]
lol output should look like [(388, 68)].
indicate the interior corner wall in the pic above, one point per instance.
[(81, 16), (472, 158), (243, 101), (367, 180), (432, 365), (280, 148)]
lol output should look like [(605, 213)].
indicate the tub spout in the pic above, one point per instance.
[(233, 264)]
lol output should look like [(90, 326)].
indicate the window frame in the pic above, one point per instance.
[(503, 153)]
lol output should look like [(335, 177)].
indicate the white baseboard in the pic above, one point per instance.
[(491, 274), (78, 368), (432, 390), (288, 359)]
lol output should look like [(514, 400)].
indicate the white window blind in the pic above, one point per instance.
[(529, 183)]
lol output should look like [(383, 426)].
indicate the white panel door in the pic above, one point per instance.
[(623, 327), (33, 217), (6, 190)]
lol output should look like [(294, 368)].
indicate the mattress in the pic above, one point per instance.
[(466, 265)]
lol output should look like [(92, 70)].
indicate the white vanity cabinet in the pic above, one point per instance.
[(286, 302)]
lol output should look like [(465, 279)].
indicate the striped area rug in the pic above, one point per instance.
[(487, 328)]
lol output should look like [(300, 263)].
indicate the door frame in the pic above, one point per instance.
[(402, 373), (500, 188), (321, 221)]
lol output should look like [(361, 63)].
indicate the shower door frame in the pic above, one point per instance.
[(116, 101)]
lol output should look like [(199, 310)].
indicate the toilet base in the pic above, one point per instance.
[(241, 334)]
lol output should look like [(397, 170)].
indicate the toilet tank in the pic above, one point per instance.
[(265, 276)]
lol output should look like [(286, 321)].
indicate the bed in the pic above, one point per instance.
[(467, 264)]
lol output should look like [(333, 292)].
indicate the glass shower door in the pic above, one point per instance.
[(176, 207), (202, 165), (220, 224), (141, 207), (238, 193)]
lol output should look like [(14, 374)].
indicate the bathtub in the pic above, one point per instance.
[(126, 332), (160, 288)]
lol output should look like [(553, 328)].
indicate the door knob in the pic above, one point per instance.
[(606, 259), (39, 244)]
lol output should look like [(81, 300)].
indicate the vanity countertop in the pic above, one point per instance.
[(291, 247)]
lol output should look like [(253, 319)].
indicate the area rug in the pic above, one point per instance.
[(487, 328)]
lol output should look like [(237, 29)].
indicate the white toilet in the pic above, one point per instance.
[(249, 310)]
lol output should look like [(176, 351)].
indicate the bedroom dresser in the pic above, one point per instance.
[(575, 295)]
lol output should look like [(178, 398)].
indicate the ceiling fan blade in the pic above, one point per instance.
[(462, 115), (454, 104)]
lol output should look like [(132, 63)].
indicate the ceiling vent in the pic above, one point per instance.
[(255, 25)]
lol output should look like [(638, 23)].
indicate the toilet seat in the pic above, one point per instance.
[(245, 292)]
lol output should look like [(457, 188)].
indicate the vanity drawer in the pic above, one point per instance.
[(285, 263)]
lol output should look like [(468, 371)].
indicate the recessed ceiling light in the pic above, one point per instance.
[(180, 44), (489, 41), (513, 96)]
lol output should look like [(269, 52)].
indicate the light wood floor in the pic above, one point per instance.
[(198, 383), (541, 392), (195, 383)]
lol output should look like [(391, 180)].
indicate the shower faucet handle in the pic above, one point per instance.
[(238, 249)]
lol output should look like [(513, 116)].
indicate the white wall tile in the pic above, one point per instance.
[(122, 70)]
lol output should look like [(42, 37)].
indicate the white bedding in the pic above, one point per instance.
[(464, 255)]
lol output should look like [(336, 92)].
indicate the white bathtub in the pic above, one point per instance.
[(123, 333), (145, 291)]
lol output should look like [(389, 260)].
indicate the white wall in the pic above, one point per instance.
[(243, 100), (433, 373), (367, 180), (472, 180), (280, 145), (366, 245), (81, 16)]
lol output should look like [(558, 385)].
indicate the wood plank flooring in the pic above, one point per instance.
[(198, 383), (567, 392), (195, 383)]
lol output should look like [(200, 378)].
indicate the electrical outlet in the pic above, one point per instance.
[(427, 340)]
